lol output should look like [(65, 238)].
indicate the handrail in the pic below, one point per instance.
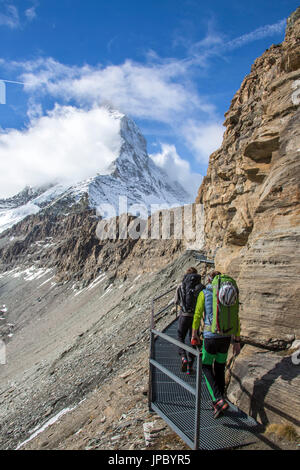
[(196, 391), (172, 376), (164, 293), (153, 316), (177, 343), (154, 364), (164, 309), (203, 259)]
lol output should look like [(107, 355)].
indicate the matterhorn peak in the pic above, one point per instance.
[(131, 174)]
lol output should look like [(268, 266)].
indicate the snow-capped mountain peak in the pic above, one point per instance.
[(132, 174)]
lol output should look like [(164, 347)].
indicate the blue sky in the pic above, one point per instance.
[(172, 65)]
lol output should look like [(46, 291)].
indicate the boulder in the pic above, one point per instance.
[(266, 385)]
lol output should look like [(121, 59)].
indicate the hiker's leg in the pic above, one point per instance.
[(181, 334), (220, 362), (219, 370), (191, 357), (210, 382), (208, 357)]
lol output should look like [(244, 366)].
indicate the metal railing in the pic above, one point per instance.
[(202, 259), (155, 365), (183, 401)]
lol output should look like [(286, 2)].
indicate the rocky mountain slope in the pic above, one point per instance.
[(251, 198), (70, 342), (132, 175)]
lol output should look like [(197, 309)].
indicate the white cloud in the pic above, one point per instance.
[(154, 91), (259, 33), (10, 16), (66, 145), (177, 168), (216, 43), (203, 138), (30, 13), (159, 89)]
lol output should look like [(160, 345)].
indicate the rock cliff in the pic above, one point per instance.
[(251, 194), (251, 198)]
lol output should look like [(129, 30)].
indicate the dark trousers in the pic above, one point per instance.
[(214, 357), (184, 328)]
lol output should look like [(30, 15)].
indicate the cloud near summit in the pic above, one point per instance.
[(66, 145), (157, 91), (152, 92)]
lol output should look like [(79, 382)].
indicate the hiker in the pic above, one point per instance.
[(221, 324), (186, 297)]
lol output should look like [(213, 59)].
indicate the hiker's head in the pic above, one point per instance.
[(191, 270), (193, 274), (212, 275)]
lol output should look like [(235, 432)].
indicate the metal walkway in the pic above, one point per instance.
[(184, 402)]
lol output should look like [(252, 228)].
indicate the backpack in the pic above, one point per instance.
[(190, 288), (225, 305)]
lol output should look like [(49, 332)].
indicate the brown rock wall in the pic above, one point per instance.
[(251, 194), (266, 386)]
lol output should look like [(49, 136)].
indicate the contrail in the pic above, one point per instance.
[(11, 81), (3, 89)]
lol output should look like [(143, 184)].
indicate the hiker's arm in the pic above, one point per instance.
[(176, 298), (198, 315), (236, 346)]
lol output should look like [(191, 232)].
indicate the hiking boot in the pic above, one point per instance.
[(219, 407), (184, 364)]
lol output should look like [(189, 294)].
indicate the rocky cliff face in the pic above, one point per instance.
[(251, 194), (251, 198)]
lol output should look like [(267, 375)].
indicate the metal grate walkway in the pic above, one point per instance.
[(184, 402)]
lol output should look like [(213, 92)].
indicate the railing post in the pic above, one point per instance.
[(152, 317), (198, 401), (151, 354), (152, 344)]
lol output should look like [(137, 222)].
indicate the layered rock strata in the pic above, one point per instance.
[(251, 194)]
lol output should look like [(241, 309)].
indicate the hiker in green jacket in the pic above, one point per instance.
[(215, 344)]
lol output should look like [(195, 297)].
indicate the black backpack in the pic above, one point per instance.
[(190, 289)]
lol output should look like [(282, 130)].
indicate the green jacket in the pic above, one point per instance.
[(200, 310)]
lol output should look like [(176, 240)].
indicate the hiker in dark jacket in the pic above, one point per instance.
[(215, 347), (186, 297)]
